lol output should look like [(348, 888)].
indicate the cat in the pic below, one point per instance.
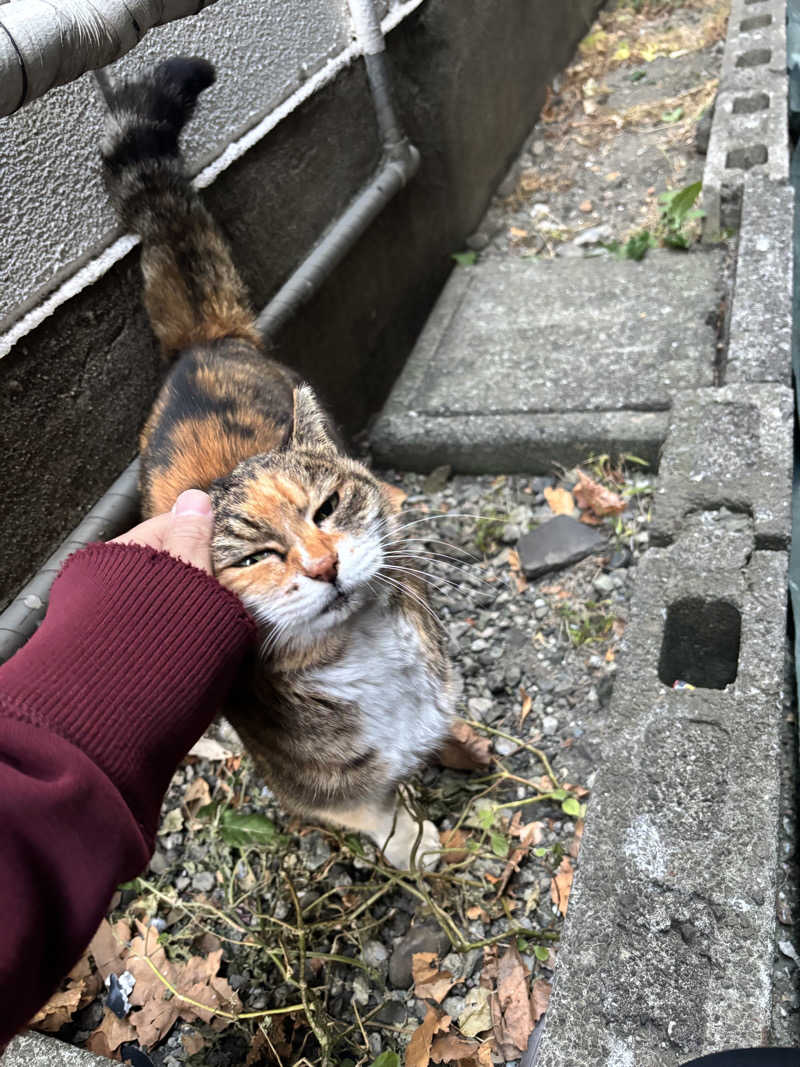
[(350, 691)]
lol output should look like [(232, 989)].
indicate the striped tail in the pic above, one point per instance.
[(192, 290)]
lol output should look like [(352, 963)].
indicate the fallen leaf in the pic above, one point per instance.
[(590, 519), (108, 947), (592, 496), (540, 998), (586, 205), (418, 1053), (464, 749), (453, 842), (512, 1016), (452, 1049), (192, 1043), (561, 884), (527, 704), (580, 791), (575, 843), (476, 1018), (210, 749), (613, 175), (258, 1049), (57, 1011), (429, 982), (517, 232), (560, 500), (197, 795), (110, 1034), (515, 566), (477, 912)]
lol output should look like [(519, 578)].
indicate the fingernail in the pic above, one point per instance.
[(192, 502)]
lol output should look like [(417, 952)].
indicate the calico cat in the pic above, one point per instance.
[(350, 691)]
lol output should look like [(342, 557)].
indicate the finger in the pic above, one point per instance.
[(150, 533), (188, 535)]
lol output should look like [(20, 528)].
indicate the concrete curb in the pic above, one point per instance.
[(36, 1050), (668, 947)]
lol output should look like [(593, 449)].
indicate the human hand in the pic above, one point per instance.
[(184, 532)]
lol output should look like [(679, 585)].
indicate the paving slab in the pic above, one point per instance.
[(524, 362), (668, 946)]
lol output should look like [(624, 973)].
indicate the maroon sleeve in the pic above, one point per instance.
[(126, 671)]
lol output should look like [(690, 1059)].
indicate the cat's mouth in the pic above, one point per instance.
[(338, 601)]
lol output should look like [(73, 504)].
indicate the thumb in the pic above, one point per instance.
[(188, 534)]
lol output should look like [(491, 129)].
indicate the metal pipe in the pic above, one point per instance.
[(113, 513), (44, 43), (118, 509)]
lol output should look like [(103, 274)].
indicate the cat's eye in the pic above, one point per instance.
[(257, 557), (326, 508)]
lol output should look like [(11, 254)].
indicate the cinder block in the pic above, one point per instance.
[(750, 128), (760, 335), (668, 944), (728, 448)]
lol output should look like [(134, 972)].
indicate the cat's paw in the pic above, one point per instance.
[(399, 848)]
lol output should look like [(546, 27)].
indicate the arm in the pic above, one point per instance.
[(128, 668)]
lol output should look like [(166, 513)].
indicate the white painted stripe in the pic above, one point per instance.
[(98, 266)]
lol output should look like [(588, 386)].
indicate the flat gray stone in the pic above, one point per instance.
[(523, 362), (36, 1050), (424, 937), (558, 543)]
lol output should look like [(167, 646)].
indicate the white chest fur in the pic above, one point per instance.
[(404, 709)]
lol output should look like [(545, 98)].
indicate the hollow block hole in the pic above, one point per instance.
[(755, 22), (700, 643), (747, 105), (748, 2), (745, 158), (756, 57)]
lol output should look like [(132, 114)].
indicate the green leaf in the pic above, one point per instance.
[(559, 794), (677, 203), (637, 245), (242, 831), (672, 116), (540, 852), (353, 842), (387, 1059), (522, 944), (465, 259), (208, 811), (499, 844), (637, 75), (571, 806), (485, 818), (134, 885), (541, 953)]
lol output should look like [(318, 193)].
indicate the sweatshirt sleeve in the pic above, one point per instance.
[(128, 668)]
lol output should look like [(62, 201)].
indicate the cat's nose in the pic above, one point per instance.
[(323, 569)]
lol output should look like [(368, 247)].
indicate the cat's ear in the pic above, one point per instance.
[(310, 429)]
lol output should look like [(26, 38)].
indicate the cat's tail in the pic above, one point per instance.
[(193, 292)]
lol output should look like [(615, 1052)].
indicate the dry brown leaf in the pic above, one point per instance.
[(57, 1011), (575, 843), (514, 564), (540, 998), (110, 1034), (580, 791), (429, 982), (588, 518), (561, 885), (560, 500), (527, 704), (197, 795), (108, 947), (511, 1008), (193, 1043), (592, 496), (453, 842), (418, 1053), (475, 911), (464, 749), (210, 749), (452, 1049)]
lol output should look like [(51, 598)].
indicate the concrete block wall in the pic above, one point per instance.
[(669, 941)]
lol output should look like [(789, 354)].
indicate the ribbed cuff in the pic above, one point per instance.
[(132, 660)]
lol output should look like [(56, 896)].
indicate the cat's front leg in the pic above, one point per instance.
[(394, 831)]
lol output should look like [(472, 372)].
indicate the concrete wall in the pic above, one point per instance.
[(470, 78)]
